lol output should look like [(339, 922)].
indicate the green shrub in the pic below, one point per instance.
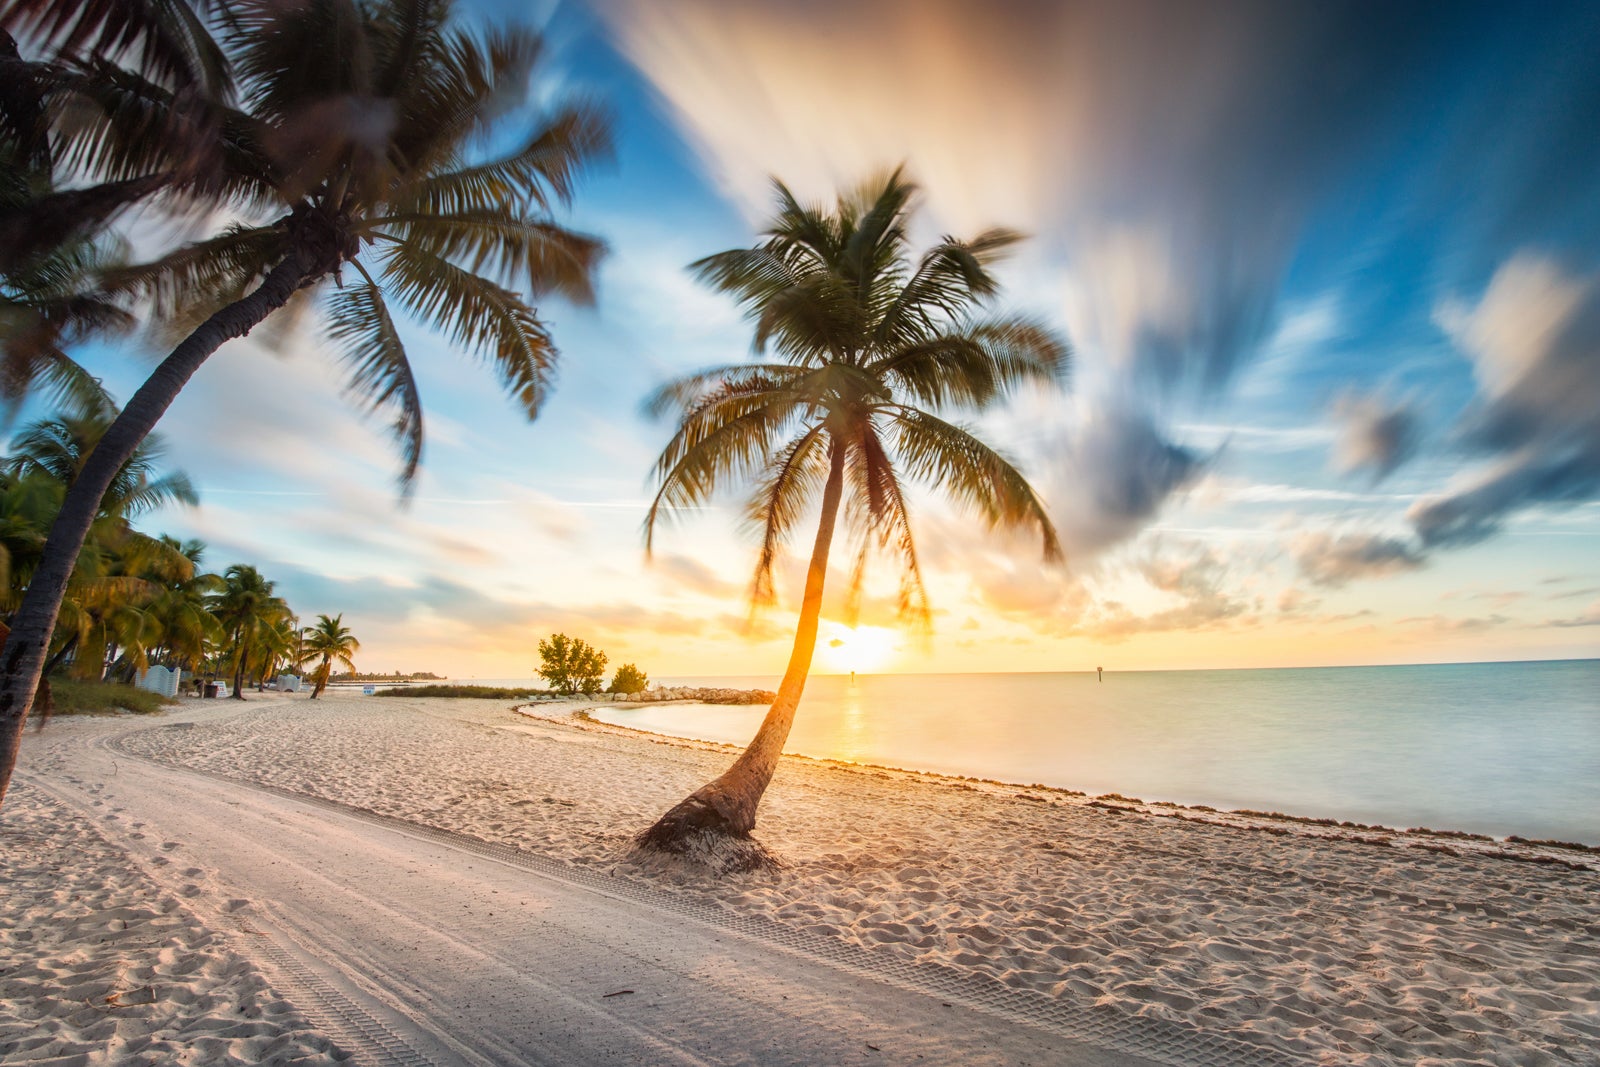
[(629, 679), (74, 697)]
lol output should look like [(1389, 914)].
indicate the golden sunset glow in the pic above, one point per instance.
[(858, 650)]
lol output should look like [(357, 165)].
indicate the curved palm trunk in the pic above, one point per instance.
[(22, 658), (238, 673), (322, 677), (727, 806)]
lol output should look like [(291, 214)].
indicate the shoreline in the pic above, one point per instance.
[(1574, 854)]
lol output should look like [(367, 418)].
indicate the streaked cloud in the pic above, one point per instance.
[(1534, 339), (1111, 473), (1332, 560), (1375, 435)]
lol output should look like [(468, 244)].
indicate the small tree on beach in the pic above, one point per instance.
[(349, 142), (629, 679), (328, 640), (867, 346), (571, 665)]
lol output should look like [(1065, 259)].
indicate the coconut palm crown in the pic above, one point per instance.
[(867, 351), (354, 142), (328, 641)]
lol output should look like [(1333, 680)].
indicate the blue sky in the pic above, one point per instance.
[(1331, 273)]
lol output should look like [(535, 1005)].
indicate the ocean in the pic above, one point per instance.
[(1495, 748)]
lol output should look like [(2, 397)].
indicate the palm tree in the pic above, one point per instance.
[(330, 640), (280, 642), (246, 608), (359, 145), (182, 611), (868, 346), (119, 571)]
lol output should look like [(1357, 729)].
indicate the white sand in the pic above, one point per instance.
[(101, 963), (1348, 951)]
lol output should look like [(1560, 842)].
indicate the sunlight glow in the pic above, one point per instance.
[(858, 650)]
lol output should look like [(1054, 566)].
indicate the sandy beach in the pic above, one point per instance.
[(101, 963), (1328, 944)]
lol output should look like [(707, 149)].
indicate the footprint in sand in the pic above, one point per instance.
[(168, 846)]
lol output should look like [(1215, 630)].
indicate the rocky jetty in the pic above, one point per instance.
[(706, 695)]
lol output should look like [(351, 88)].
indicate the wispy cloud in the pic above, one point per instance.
[(1375, 436), (1332, 560), (1534, 339)]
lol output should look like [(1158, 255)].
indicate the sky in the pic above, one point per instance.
[(1331, 276)]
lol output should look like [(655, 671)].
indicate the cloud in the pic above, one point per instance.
[(1111, 473), (1374, 435), (1197, 581), (1172, 151), (1534, 339), (1331, 561), (1590, 617), (695, 576), (1447, 625), (1170, 155), (1296, 601)]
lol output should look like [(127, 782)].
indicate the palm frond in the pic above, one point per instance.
[(940, 453), (686, 394), (167, 37), (531, 254), (198, 278), (380, 374), (793, 479), (477, 314), (951, 279), (546, 167), (727, 440), (977, 365)]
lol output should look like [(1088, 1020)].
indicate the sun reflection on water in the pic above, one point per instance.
[(850, 741)]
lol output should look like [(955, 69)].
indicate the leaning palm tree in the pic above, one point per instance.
[(361, 154), (868, 347), (329, 640)]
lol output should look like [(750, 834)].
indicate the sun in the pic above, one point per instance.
[(859, 649)]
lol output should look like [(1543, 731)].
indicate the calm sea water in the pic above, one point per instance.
[(1497, 748)]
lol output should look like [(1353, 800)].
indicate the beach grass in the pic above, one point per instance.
[(76, 697), (480, 692)]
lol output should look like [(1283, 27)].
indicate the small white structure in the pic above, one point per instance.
[(159, 679), (288, 683)]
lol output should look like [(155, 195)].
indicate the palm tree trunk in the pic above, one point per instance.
[(727, 806), (238, 673), (22, 658), (322, 677)]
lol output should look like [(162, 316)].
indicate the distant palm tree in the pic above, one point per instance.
[(279, 643), (246, 608), (868, 346), (359, 145), (329, 640), (182, 612)]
